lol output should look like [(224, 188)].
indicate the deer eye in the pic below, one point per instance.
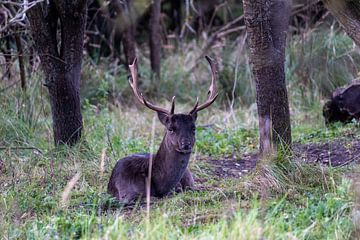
[(193, 129), (172, 130)]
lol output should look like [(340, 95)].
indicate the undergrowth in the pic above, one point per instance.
[(281, 199)]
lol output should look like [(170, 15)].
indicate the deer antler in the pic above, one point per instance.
[(140, 97), (212, 93)]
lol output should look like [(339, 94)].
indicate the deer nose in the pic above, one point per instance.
[(185, 145)]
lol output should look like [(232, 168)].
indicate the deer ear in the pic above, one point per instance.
[(164, 118), (194, 115)]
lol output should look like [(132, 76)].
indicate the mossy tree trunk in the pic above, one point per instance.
[(347, 12), (266, 24), (61, 56)]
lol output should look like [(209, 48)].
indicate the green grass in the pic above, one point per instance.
[(297, 203), (304, 207), (278, 200)]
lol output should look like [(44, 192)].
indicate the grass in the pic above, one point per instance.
[(305, 207), (279, 200), (32, 185)]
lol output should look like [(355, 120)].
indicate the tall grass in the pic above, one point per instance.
[(48, 192)]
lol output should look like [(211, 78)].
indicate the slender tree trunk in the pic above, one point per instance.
[(266, 24), (347, 13), (175, 15), (61, 66), (21, 62), (128, 41), (128, 36), (125, 18), (155, 37)]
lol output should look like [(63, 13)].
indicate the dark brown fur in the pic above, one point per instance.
[(344, 104), (128, 179), (169, 169)]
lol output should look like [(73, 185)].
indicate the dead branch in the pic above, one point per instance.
[(14, 13)]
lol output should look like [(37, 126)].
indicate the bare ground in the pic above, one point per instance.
[(338, 152)]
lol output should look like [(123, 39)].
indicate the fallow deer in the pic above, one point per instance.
[(170, 164)]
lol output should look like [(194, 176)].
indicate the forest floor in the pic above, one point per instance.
[(309, 195), (48, 192), (338, 152)]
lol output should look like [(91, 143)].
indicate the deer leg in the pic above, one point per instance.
[(186, 183), (178, 188), (187, 180)]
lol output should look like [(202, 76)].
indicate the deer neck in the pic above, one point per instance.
[(168, 167)]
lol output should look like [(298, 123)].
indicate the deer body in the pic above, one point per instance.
[(170, 164), (168, 169), (128, 179)]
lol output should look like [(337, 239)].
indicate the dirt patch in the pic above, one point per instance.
[(232, 168), (338, 152)]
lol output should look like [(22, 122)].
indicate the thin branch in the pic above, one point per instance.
[(16, 17)]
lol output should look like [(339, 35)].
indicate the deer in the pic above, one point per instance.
[(169, 166)]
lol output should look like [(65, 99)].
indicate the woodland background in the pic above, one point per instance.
[(59, 192)]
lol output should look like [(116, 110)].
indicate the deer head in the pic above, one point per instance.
[(180, 134)]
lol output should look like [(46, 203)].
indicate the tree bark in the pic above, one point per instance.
[(155, 37), (61, 66), (347, 12), (266, 24)]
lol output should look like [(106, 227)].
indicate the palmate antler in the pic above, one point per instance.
[(212, 93)]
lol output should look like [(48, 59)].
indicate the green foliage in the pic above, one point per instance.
[(306, 133), (300, 204), (319, 62), (280, 200), (316, 63), (226, 141), (313, 215)]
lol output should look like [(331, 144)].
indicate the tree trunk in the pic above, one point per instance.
[(61, 66), (124, 16), (21, 61), (175, 15), (266, 24), (155, 37), (348, 14), (128, 41), (128, 35)]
